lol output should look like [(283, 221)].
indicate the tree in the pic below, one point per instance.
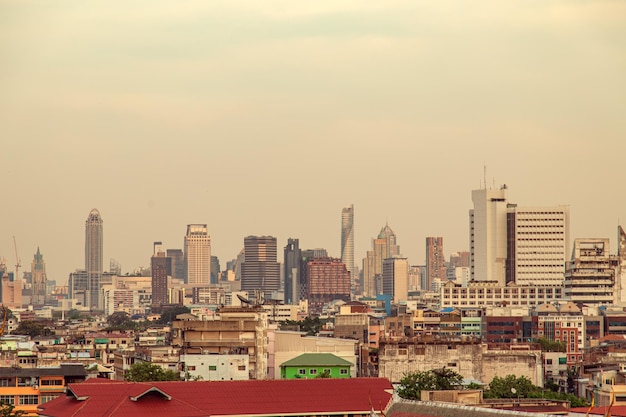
[(412, 385), (8, 410), (324, 374), (32, 329), (169, 314), (510, 387), (147, 371), (548, 345)]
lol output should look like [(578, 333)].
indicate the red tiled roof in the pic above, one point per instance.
[(223, 398), (616, 410)]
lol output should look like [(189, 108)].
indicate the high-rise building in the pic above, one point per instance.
[(328, 279), (488, 236), (292, 271), (620, 275), (38, 279), (160, 265), (198, 254), (525, 245), (178, 262), (260, 269), (383, 247), (537, 245), (395, 278), (93, 258), (347, 239), (215, 269), (435, 261)]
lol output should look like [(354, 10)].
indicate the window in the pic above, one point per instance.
[(313, 371), (46, 398), (301, 372), (51, 382), (6, 382), (212, 367), (241, 367), (548, 361), (7, 399), (343, 372), (29, 399), (327, 371), (191, 368)]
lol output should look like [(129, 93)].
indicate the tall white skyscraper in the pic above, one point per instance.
[(347, 239), (198, 254), (395, 278), (93, 258)]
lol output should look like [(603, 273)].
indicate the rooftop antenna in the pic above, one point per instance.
[(484, 176), (17, 261)]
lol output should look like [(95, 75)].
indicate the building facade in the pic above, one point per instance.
[(160, 265), (328, 279), (260, 270), (347, 239), (292, 271), (590, 275), (198, 254), (93, 258), (395, 278), (435, 261)]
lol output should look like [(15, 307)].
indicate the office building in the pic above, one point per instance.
[(291, 271), (383, 246), (435, 261), (215, 269), (198, 254), (395, 278), (620, 272), (178, 262), (38, 279), (160, 265), (538, 244), (347, 239), (525, 245), (93, 259), (260, 270), (328, 279)]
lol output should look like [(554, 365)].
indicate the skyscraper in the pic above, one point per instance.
[(435, 261), (93, 258), (488, 235), (292, 271), (528, 246), (383, 247), (328, 279), (260, 269), (395, 278), (39, 279), (198, 254), (160, 264), (347, 240)]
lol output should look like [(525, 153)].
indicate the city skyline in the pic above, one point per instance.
[(267, 119)]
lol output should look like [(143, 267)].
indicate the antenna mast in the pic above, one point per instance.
[(17, 261)]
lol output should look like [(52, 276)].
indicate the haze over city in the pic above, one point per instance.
[(267, 118)]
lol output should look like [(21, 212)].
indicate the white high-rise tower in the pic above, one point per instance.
[(347, 239), (198, 254), (93, 258)]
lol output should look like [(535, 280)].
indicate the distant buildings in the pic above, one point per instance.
[(198, 254), (384, 246), (260, 269), (395, 278), (590, 275), (328, 280), (93, 259)]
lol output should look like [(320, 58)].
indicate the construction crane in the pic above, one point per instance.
[(17, 261)]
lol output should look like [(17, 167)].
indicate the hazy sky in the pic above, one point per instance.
[(267, 117)]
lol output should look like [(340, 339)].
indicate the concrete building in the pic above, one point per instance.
[(131, 294), (207, 367), (178, 263), (38, 279), (537, 245), (488, 238), (590, 275), (160, 265), (232, 331), (620, 275), (435, 261), (347, 241), (11, 291), (197, 254), (292, 271), (395, 278), (484, 294), (260, 270), (383, 246), (328, 279), (93, 259)]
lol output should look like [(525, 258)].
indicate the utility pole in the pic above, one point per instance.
[(17, 261)]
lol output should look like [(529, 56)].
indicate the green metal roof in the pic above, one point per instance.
[(317, 359)]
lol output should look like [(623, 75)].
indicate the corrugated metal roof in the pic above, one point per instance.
[(317, 359)]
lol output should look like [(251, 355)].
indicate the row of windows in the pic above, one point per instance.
[(314, 371)]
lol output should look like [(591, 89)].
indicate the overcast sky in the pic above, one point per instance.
[(267, 117)]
